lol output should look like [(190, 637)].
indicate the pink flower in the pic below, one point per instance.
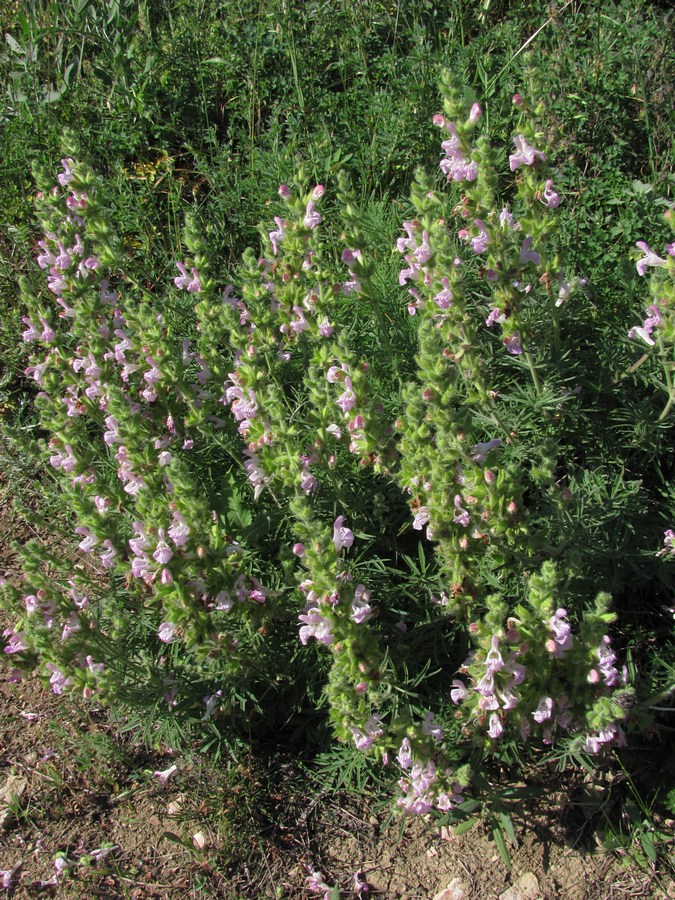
[(405, 754), (551, 198), (279, 235), (543, 710), (58, 680), (316, 626), (482, 240), (513, 344), (362, 611), (312, 216), (166, 632), (163, 552), (525, 154), (649, 259), (459, 691), (164, 776), (342, 537), (527, 255), (496, 729)]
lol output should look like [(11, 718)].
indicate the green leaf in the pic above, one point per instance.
[(15, 46), (464, 827), (648, 845), (498, 836), (507, 825)]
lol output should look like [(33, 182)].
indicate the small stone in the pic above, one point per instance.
[(526, 888), (431, 852), (456, 890), (174, 807), (199, 840)]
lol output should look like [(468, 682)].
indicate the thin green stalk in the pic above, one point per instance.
[(533, 371)]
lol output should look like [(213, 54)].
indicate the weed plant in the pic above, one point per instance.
[(456, 517)]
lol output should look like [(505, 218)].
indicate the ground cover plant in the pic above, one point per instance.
[(402, 474)]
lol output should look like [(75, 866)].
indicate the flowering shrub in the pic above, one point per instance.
[(235, 458)]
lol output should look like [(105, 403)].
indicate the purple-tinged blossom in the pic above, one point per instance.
[(108, 554), (89, 539), (343, 537), (525, 154), (279, 235), (543, 710), (17, 641), (550, 197), (64, 178), (495, 729), (506, 220), (494, 661), (443, 298), (325, 327), (668, 548), (513, 344), (431, 728), (495, 316), (70, 626), (652, 321), (562, 638), (189, 282), (256, 474), (164, 776), (58, 680), (649, 259), (527, 255), (421, 518), (461, 516), (480, 451), (364, 738), (362, 611), (405, 754), (163, 552), (312, 216), (223, 602), (166, 632), (607, 658), (46, 259), (347, 399), (455, 165), (315, 882), (316, 626), (179, 532), (482, 240)]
